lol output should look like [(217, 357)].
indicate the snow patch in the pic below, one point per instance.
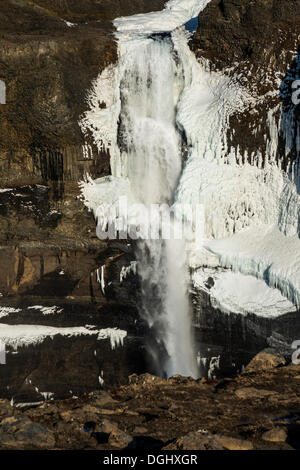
[(265, 253), (241, 294), (176, 13), (46, 310), (6, 311), (18, 336)]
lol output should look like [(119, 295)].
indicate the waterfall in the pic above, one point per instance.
[(151, 154), (139, 126)]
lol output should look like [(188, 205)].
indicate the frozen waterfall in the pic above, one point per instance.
[(146, 149)]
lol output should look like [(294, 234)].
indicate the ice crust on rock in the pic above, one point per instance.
[(18, 336)]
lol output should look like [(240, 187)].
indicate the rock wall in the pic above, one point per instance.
[(51, 51)]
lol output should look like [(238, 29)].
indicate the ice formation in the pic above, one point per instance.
[(6, 311), (233, 292), (18, 336), (157, 92), (176, 13), (126, 270), (46, 310), (115, 335)]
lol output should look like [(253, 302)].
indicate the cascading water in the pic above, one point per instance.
[(146, 149), (151, 155)]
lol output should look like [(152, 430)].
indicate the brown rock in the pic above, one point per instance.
[(231, 443), (107, 412), (275, 435), (81, 415), (103, 398), (179, 379), (251, 392), (197, 440), (144, 379), (108, 426), (140, 430), (19, 432), (5, 407), (265, 360), (119, 439)]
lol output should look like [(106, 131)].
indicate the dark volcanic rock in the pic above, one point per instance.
[(233, 30)]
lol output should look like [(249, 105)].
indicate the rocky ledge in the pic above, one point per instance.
[(257, 410)]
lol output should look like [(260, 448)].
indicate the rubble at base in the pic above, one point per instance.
[(257, 410)]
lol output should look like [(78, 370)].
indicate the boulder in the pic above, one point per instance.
[(196, 440), (108, 426), (267, 359), (275, 435), (81, 415), (119, 439), (19, 432), (231, 443), (251, 392)]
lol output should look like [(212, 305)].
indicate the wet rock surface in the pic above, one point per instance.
[(175, 414)]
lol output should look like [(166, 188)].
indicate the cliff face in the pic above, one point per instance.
[(51, 51), (48, 64)]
